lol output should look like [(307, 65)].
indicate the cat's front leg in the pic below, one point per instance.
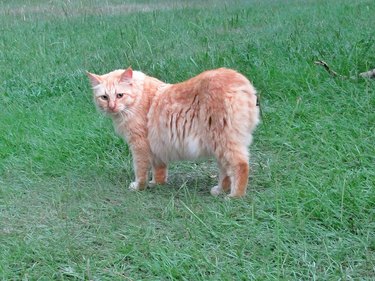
[(141, 162)]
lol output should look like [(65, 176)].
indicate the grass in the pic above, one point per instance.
[(65, 211)]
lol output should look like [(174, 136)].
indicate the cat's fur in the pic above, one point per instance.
[(212, 114)]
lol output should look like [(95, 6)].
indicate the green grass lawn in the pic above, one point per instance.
[(65, 210)]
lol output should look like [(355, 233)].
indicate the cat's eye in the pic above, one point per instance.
[(104, 97), (120, 95)]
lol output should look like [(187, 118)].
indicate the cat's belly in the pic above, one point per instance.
[(188, 149)]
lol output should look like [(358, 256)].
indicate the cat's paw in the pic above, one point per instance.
[(134, 186), (216, 190), (152, 184), (234, 195)]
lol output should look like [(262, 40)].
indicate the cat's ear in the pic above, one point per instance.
[(95, 79), (127, 75)]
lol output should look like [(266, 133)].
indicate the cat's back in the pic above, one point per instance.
[(217, 79), (219, 90), (216, 84), (223, 85), (221, 74)]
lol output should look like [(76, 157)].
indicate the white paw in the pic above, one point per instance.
[(151, 184), (216, 190), (134, 186)]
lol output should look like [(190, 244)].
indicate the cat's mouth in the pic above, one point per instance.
[(109, 111), (114, 111)]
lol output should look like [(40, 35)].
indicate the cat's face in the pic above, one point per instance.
[(113, 91)]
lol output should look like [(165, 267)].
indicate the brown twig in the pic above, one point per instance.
[(367, 74), (329, 70)]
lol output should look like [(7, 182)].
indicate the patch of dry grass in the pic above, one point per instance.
[(50, 9)]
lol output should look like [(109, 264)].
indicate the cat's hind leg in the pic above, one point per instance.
[(240, 179), (235, 161), (224, 183), (159, 173)]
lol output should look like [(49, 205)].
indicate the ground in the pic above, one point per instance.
[(65, 211)]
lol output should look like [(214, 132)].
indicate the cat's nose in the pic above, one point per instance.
[(112, 106), (113, 109)]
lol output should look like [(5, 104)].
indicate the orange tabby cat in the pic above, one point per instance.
[(212, 114)]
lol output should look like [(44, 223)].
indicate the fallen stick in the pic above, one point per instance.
[(367, 74)]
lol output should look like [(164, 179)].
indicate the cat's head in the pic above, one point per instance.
[(113, 92)]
